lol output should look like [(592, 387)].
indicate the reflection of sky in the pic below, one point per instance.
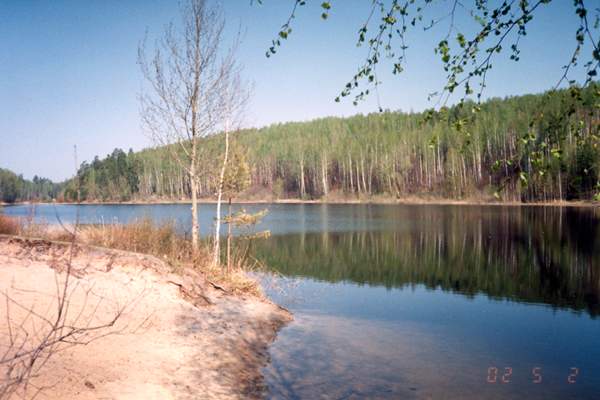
[(281, 218), (376, 342)]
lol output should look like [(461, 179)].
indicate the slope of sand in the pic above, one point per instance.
[(161, 347)]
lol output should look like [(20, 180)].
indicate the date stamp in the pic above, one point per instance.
[(504, 375)]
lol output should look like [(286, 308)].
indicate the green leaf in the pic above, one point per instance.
[(523, 178)]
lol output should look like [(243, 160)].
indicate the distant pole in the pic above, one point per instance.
[(77, 174)]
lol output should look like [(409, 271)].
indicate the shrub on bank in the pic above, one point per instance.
[(9, 225)]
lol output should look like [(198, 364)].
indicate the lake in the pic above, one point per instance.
[(419, 301)]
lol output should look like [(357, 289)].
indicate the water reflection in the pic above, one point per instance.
[(536, 254)]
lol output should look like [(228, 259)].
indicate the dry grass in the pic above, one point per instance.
[(9, 225), (144, 236), (163, 241), (22, 226)]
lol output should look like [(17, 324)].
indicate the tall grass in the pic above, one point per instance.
[(22, 226), (9, 225), (163, 241), (142, 236)]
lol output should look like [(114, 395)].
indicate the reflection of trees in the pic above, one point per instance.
[(527, 254)]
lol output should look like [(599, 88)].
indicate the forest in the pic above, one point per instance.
[(541, 147), (14, 188)]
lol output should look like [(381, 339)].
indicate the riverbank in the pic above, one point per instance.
[(176, 335)]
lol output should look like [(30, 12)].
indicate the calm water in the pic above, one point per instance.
[(422, 301)]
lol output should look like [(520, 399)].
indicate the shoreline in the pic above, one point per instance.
[(374, 201), (177, 337)]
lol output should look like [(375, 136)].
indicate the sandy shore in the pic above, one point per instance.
[(177, 337)]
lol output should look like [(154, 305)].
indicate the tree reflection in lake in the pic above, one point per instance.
[(533, 254)]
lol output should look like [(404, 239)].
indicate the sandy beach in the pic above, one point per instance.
[(177, 336)]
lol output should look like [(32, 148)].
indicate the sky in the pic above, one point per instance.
[(68, 72)]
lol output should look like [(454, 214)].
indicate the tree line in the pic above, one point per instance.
[(540, 147), (14, 188), (113, 178)]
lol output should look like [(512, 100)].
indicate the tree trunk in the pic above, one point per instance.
[(560, 195), (358, 178), (362, 170), (302, 187), (195, 227), (219, 197), (350, 170), (324, 174), (229, 239)]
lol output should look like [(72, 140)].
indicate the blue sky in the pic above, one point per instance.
[(68, 72)]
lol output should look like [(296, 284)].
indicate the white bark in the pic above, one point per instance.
[(219, 198)]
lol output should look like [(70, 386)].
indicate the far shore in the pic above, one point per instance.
[(374, 200)]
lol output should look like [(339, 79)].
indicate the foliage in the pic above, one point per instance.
[(237, 172), (242, 219), (246, 224), (528, 148), (14, 188), (116, 177), (584, 172), (469, 37)]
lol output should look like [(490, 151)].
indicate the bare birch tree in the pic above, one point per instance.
[(188, 76), (235, 98)]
